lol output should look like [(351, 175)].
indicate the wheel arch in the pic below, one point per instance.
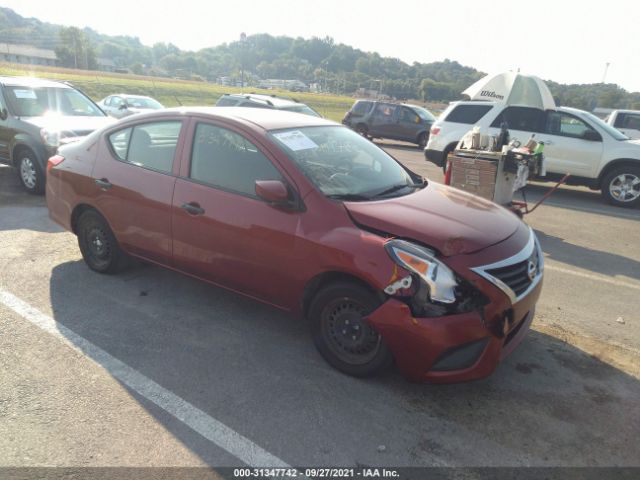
[(314, 285), (620, 162), (79, 210)]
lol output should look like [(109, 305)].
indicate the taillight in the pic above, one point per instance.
[(54, 162), (435, 130)]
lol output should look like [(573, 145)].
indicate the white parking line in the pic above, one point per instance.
[(207, 426), (591, 276)]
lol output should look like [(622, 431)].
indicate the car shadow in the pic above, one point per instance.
[(409, 147), (255, 369), (576, 199), (597, 261)]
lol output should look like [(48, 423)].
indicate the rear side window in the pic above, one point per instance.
[(149, 145), (521, 118), (361, 108), (631, 121), (225, 159), (226, 102), (467, 114)]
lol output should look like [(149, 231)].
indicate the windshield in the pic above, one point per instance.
[(143, 102), (424, 113), (37, 102), (343, 164), (302, 109), (614, 132)]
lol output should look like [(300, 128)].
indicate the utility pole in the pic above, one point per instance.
[(243, 39), (606, 68)]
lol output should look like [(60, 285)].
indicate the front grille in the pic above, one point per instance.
[(516, 276)]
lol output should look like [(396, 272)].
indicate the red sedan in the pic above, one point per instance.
[(306, 215)]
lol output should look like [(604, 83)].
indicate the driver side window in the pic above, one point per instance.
[(565, 125)]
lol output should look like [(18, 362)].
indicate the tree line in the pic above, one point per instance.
[(336, 68)]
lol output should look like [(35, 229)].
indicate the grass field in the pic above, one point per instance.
[(170, 92)]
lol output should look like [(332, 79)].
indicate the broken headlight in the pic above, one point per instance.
[(421, 261)]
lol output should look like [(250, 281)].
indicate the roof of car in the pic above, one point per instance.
[(267, 119), (128, 95), (32, 82), (274, 100)]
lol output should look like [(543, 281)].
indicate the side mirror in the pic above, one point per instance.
[(592, 136), (272, 191), (123, 106), (4, 114)]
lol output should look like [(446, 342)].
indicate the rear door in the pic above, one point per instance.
[(566, 149), (6, 133), (383, 120), (222, 231), (134, 179), (521, 122)]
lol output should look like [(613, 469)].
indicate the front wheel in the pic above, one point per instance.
[(342, 335), (30, 172), (98, 244), (621, 187)]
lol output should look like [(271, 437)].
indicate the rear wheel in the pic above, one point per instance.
[(422, 140), (30, 172), (362, 129), (98, 244), (341, 333), (621, 187)]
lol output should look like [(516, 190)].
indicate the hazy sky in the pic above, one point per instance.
[(562, 40)]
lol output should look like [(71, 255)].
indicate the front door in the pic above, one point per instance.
[(566, 149), (134, 184), (222, 231)]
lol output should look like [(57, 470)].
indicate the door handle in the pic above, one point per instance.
[(104, 184), (193, 208)]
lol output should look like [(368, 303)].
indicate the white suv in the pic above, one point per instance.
[(576, 142)]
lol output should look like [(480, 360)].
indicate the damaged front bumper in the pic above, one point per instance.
[(453, 348)]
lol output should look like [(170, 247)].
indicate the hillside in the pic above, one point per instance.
[(337, 68)]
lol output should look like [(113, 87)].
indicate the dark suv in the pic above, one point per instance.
[(375, 119), (265, 101), (36, 116)]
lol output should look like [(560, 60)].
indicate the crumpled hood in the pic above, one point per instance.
[(69, 125), (450, 220)]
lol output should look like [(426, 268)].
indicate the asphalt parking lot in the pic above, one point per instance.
[(151, 368)]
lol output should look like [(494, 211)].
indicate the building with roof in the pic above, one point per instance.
[(27, 54)]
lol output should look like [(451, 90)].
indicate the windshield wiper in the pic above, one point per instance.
[(348, 196), (395, 188)]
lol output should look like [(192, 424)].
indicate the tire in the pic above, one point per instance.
[(30, 172), (423, 138), (341, 335), (98, 244), (621, 186), (362, 129)]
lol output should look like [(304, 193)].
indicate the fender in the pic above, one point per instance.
[(616, 163), (25, 140)]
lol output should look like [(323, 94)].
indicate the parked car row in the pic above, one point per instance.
[(37, 116), (593, 152)]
